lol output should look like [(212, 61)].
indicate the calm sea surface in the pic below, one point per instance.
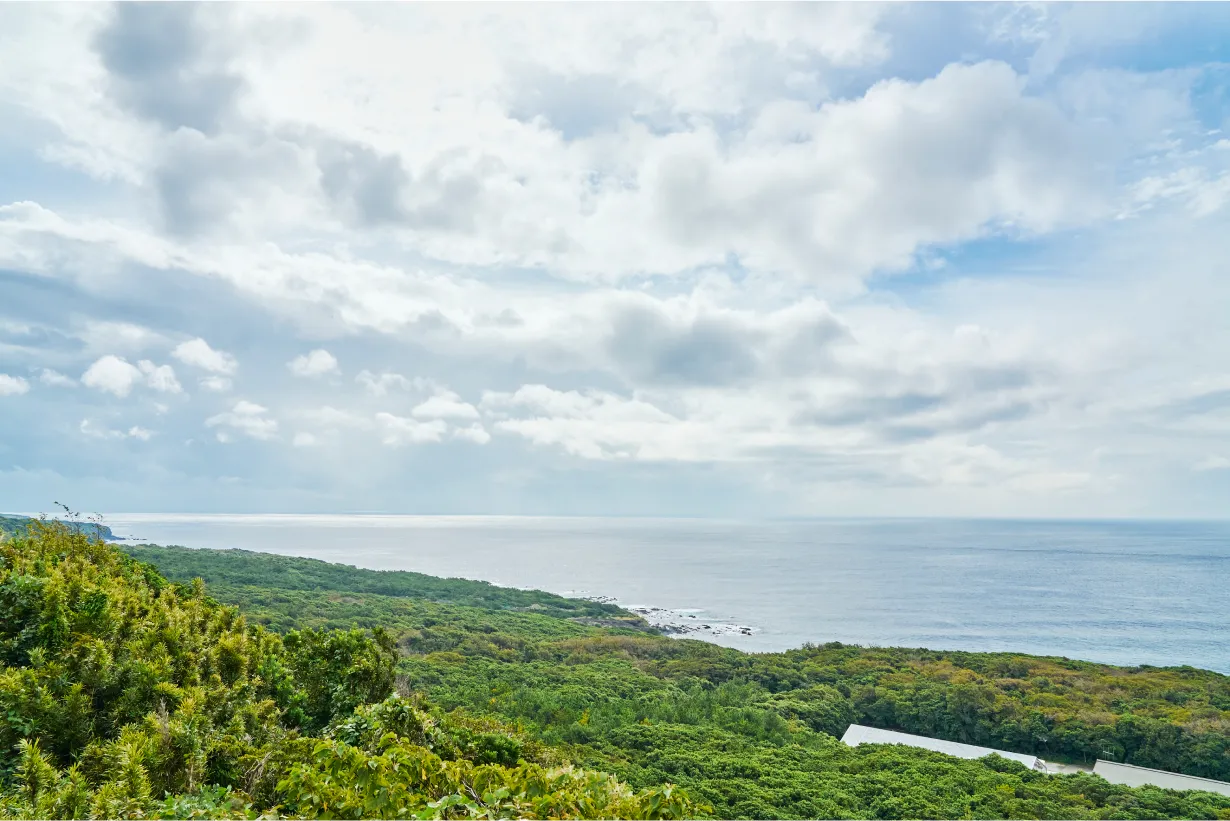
[(1119, 592)]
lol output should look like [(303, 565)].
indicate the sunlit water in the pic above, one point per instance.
[(1119, 592)]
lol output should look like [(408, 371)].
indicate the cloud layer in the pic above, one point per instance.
[(708, 259)]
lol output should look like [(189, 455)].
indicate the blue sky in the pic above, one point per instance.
[(625, 259)]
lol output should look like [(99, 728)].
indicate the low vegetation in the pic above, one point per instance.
[(754, 735), (124, 695)]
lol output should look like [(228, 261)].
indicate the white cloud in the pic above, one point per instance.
[(837, 192), (651, 233), (112, 374), (13, 385), (160, 377), (216, 384), (316, 363), (304, 440), (116, 375), (445, 405), (55, 379), (900, 437), (475, 433), (697, 163), (329, 418), (1065, 32), (829, 194), (1213, 462), (595, 425), (244, 417), (398, 430), (119, 336), (198, 353), (94, 431), (380, 384)]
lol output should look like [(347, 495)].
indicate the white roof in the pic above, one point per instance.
[(858, 734), (1132, 776)]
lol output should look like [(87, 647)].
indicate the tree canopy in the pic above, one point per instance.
[(125, 695)]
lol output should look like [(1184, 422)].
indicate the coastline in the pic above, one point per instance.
[(676, 622), (810, 586)]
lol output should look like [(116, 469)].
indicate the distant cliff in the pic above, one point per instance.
[(11, 524)]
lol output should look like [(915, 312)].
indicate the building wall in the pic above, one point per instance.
[(1132, 776), (859, 734)]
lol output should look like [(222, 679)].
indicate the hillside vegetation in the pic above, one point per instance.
[(289, 687), (123, 695), (11, 526), (754, 735), (244, 568)]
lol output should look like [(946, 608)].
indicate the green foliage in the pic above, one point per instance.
[(393, 777), (753, 753), (818, 777), (125, 696), (243, 568), (418, 626), (338, 671), (11, 526), (753, 734)]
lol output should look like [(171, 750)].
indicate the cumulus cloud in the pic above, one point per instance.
[(158, 59), (368, 188), (445, 405), (475, 433), (112, 374), (831, 193), (400, 430), (780, 241), (908, 421), (199, 354), (247, 418), (690, 342), (313, 364), (160, 377), (862, 185), (116, 375), (95, 431), (829, 189), (13, 385), (126, 337), (331, 419), (592, 424), (216, 384), (55, 379), (380, 384)]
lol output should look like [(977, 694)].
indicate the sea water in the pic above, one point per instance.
[(1122, 592)]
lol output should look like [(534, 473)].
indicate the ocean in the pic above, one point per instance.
[(1126, 592)]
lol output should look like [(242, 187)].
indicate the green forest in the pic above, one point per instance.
[(144, 681)]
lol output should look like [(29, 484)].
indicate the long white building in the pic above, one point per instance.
[(1128, 775), (1132, 776), (858, 734)]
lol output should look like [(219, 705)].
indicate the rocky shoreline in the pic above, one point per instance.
[(680, 622)]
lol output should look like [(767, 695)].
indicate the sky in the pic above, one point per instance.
[(733, 260)]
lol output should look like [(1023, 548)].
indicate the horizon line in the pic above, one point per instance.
[(647, 517)]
